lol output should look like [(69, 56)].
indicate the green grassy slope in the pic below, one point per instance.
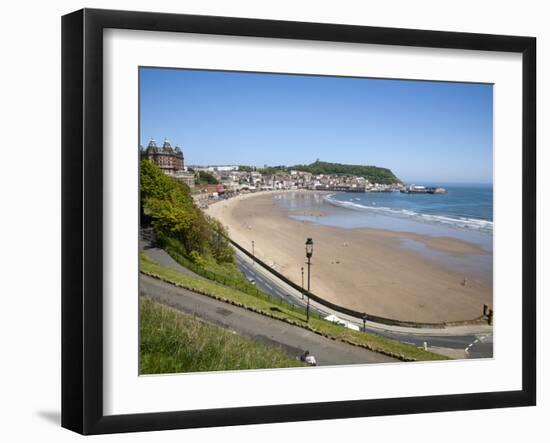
[(173, 342)]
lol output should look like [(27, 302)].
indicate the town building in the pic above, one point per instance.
[(215, 168), (169, 160), (223, 168), (185, 177)]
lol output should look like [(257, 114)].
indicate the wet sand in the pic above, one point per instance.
[(364, 269)]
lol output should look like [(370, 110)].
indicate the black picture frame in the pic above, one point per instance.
[(82, 218)]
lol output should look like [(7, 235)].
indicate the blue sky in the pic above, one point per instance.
[(431, 131)]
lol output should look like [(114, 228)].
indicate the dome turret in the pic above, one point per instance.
[(166, 146), (152, 147)]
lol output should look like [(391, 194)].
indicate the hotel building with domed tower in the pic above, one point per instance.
[(169, 159)]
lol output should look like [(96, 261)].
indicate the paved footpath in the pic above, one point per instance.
[(162, 258), (260, 328)]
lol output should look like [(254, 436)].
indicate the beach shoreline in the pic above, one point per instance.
[(365, 269)]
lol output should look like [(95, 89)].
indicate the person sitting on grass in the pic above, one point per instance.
[(307, 358)]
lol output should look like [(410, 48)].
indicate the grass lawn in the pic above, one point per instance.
[(287, 313), (172, 342), (225, 273)]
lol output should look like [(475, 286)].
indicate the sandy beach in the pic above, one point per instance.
[(364, 269)]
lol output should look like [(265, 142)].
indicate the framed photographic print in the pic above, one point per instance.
[(269, 221)]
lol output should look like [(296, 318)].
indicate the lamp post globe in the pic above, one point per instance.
[(309, 248)]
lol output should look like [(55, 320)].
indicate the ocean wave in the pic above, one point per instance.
[(459, 222)]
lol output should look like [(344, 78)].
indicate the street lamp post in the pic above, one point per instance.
[(309, 253), (253, 256), (302, 269)]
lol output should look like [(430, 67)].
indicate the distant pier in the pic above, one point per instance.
[(413, 189)]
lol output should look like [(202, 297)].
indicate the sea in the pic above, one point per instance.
[(464, 212)]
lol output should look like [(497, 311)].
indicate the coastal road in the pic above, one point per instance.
[(271, 287), (466, 344), (292, 339), (470, 346)]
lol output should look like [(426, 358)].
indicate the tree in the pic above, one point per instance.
[(173, 214), (374, 174), (204, 177)]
